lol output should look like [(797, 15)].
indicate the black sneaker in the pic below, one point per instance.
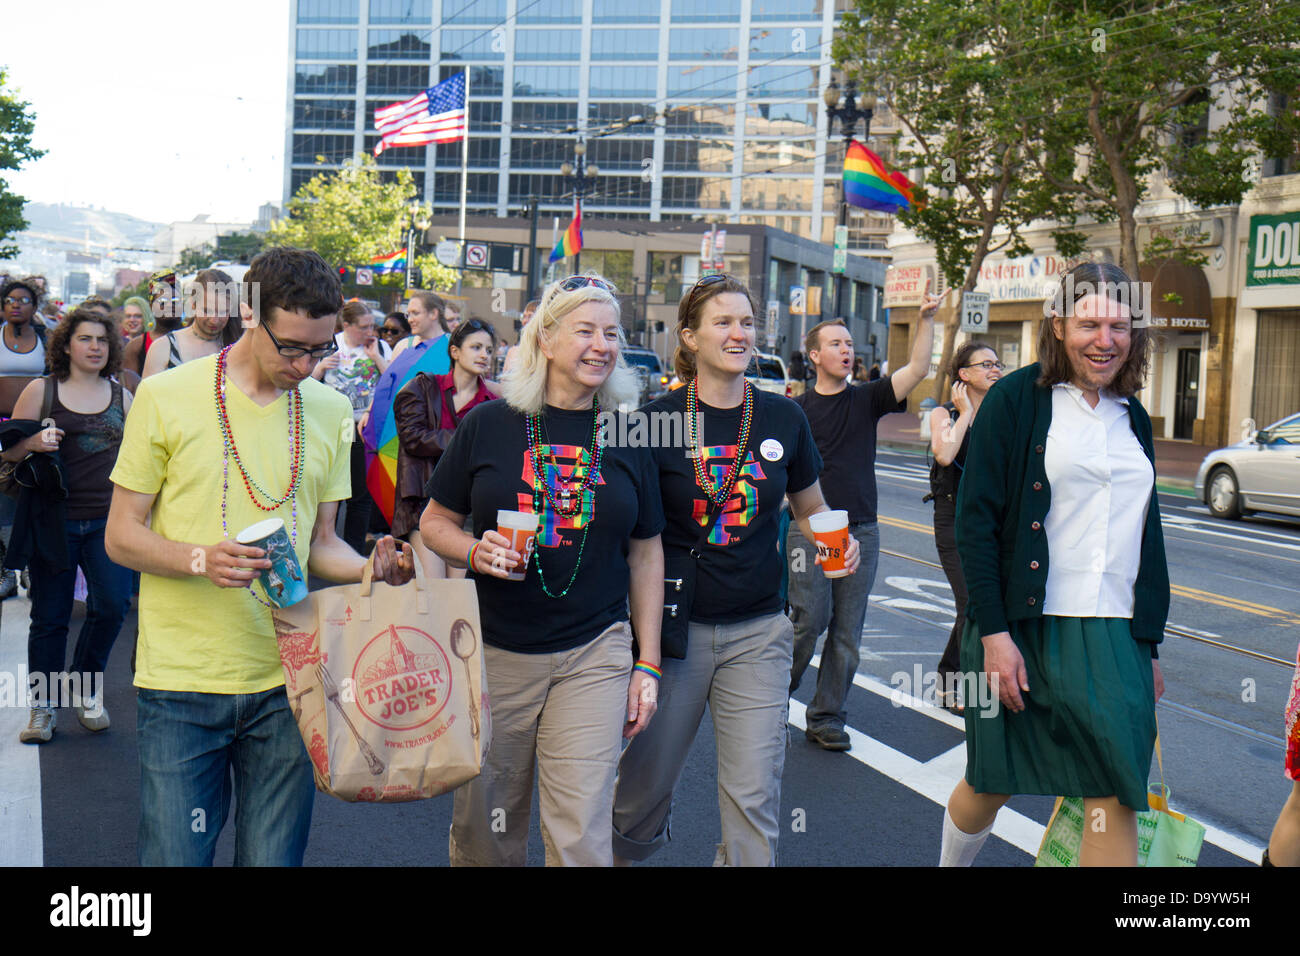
[(828, 738)]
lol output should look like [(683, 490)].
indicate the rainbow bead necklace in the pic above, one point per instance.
[(717, 494)]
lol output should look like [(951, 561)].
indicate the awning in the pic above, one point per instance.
[(1180, 295)]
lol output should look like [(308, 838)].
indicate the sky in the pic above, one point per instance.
[(164, 109)]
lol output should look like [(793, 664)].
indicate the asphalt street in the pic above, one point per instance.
[(75, 801)]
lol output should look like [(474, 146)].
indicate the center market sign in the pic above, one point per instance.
[(1273, 256)]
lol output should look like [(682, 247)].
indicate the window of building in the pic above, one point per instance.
[(620, 11), (404, 80), (549, 115), (475, 11), (483, 152), (459, 45), (783, 156), (614, 264), (548, 44), (785, 43), (548, 189), (533, 153), (699, 155), (550, 11), (623, 81), (604, 114), (624, 44), (309, 147), (484, 117), (666, 275), (618, 191), (417, 177), (704, 43), (786, 10), (620, 153), (693, 11), (327, 11), (717, 120), (712, 193), (698, 82), (1280, 104), (324, 114), (300, 177), (780, 119), (546, 81), (399, 45), (482, 188), (762, 192), (783, 79), (396, 156), (483, 80), (402, 11), (324, 79), (327, 44)]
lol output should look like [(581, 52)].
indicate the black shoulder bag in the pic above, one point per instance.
[(681, 567)]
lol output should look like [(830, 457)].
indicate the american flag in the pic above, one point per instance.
[(435, 116)]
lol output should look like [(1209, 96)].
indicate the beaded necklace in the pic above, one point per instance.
[(229, 451), (542, 493), (717, 494)]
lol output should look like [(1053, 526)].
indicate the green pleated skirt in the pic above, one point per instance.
[(1088, 728)]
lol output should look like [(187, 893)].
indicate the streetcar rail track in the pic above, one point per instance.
[(1172, 630)]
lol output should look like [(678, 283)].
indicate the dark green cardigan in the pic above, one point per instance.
[(1002, 505)]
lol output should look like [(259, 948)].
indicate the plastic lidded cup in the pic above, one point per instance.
[(521, 528), (831, 531), (283, 581)]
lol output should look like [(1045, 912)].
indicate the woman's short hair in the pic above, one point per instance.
[(691, 307), (961, 358), (433, 302), (146, 313), (1095, 278), (353, 310), (524, 386), (57, 343)]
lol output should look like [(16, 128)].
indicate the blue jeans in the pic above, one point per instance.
[(109, 595), (189, 745), (835, 605)]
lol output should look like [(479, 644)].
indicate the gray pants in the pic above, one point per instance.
[(563, 712), (742, 671)]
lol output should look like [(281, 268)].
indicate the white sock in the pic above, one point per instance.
[(959, 848)]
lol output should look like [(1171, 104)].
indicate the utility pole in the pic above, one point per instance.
[(531, 285), (848, 114)]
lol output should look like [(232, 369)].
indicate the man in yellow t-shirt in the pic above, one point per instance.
[(197, 465)]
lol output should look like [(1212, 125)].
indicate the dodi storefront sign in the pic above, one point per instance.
[(1273, 256)]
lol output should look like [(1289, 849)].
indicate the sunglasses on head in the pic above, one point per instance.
[(577, 282), (703, 282)]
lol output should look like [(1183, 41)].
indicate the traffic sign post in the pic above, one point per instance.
[(840, 258), (975, 312), (476, 255), (447, 252)]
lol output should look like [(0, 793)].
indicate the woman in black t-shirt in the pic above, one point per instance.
[(88, 408), (975, 367), (734, 654), (558, 648)]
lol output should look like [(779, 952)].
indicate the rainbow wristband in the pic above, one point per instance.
[(650, 669), (469, 558)]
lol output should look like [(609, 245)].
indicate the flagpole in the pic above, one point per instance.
[(464, 164)]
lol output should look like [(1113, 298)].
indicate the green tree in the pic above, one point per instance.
[(240, 246), (17, 123), (351, 216), (959, 82), (1130, 86), (193, 259)]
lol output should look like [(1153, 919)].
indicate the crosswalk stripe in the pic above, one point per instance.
[(20, 764)]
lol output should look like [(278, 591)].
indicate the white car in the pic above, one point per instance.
[(767, 371), (1262, 474)]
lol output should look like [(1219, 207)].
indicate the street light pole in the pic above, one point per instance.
[(531, 284), (848, 114), (583, 176), (419, 221)]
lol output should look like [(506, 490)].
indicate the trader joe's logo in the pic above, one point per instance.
[(402, 678)]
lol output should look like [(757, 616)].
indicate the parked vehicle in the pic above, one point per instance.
[(767, 371), (1260, 474), (649, 370)]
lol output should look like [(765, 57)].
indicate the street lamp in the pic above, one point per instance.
[(582, 176), (848, 114), (420, 219)]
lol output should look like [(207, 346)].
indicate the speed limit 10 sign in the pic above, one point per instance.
[(975, 312)]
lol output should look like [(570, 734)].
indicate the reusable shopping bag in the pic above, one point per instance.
[(388, 686)]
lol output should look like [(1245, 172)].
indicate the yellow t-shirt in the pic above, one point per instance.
[(195, 636)]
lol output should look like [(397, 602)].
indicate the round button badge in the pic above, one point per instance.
[(771, 449)]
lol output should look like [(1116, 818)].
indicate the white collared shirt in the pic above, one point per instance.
[(1101, 483)]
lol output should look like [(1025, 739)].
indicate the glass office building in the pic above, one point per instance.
[(690, 108)]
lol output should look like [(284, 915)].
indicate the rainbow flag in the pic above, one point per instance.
[(869, 184), (570, 243), (393, 262)]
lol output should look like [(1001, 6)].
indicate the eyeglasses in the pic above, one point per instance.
[(387, 331), (574, 283), (21, 300), (987, 366), (293, 352)]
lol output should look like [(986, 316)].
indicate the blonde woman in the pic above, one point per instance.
[(558, 645)]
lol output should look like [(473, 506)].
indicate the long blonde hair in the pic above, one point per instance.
[(524, 386)]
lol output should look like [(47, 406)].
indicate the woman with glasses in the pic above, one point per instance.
[(135, 313), (727, 642), (427, 410), (22, 344), (558, 648), (213, 297), (974, 369)]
